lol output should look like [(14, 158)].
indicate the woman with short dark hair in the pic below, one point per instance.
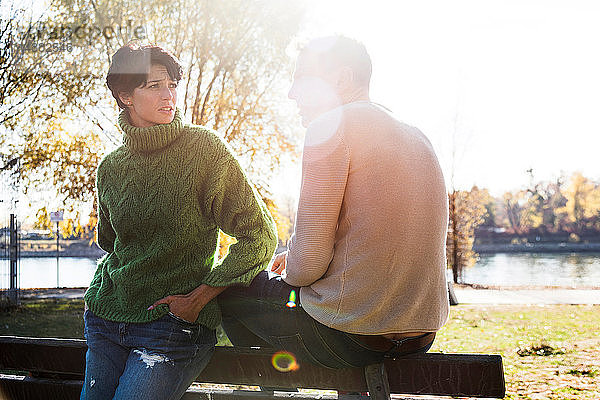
[(162, 198)]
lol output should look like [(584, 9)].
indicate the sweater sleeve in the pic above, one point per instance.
[(325, 164), (239, 211), (106, 234)]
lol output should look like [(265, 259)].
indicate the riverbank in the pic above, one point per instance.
[(562, 247), (466, 294), (85, 248), (528, 296), (67, 248), (69, 253)]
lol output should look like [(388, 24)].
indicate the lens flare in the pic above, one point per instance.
[(292, 301), (284, 362)]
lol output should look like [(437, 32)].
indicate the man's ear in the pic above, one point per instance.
[(125, 98)]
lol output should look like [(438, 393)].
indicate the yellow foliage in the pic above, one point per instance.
[(91, 227), (42, 219), (523, 210), (583, 200), (225, 241), (71, 227), (283, 222)]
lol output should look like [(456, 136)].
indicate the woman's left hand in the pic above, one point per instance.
[(188, 306), (181, 305)]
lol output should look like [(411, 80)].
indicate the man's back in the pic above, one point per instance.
[(370, 235), (368, 252)]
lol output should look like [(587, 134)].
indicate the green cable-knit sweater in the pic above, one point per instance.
[(162, 197)]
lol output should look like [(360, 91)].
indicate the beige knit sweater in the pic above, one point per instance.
[(369, 243)]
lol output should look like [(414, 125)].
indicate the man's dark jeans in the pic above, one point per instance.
[(259, 316)]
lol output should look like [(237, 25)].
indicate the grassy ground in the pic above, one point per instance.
[(55, 318), (549, 352), (44, 318)]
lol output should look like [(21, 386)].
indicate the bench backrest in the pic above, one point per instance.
[(429, 374)]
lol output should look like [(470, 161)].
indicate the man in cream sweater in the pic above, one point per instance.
[(364, 274)]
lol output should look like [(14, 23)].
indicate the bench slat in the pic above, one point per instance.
[(45, 389), (461, 374), (428, 374), (38, 389)]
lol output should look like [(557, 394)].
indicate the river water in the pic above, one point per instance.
[(529, 269), (40, 272), (572, 270)]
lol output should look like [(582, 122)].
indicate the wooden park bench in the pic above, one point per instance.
[(34, 368)]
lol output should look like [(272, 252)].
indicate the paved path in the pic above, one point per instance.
[(527, 296), (464, 295)]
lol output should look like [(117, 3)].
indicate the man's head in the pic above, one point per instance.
[(330, 71)]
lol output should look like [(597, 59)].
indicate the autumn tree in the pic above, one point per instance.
[(524, 210), (236, 70), (546, 200), (467, 210), (39, 86), (538, 206), (22, 70), (555, 200), (516, 215), (583, 205)]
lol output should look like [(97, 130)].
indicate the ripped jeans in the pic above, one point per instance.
[(153, 360)]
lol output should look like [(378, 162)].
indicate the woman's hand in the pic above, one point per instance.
[(188, 306), (181, 305), (279, 262)]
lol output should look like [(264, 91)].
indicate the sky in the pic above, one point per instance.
[(504, 85)]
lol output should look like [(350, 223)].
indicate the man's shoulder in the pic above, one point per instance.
[(325, 129), (369, 112), (357, 122), (372, 121)]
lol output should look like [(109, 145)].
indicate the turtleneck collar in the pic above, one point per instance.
[(152, 138)]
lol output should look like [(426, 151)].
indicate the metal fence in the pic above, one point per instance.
[(9, 260), (9, 231)]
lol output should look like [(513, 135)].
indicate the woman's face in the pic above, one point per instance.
[(152, 103)]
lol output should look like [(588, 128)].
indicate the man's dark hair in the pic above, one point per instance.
[(130, 65), (335, 51)]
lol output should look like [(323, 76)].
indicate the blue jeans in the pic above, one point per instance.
[(259, 316), (153, 360)]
